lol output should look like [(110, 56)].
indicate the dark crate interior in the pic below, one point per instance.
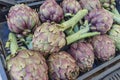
[(108, 70)]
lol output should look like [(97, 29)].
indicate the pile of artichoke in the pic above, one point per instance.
[(58, 48)]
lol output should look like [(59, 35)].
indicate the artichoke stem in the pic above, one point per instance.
[(13, 44), (115, 11), (75, 36), (73, 21), (78, 36), (7, 45), (116, 17)]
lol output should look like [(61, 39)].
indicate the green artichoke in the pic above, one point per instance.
[(104, 47), (71, 6), (108, 4), (22, 17), (62, 66), (25, 64), (83, 53), (50, 11), (101, 20), (90, 4), (114, 34)]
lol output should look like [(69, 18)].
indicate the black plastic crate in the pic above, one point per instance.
[(108, 70)]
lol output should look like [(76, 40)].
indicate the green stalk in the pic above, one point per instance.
[(74, 20), (13, 43), (115, 11), (116, 18), (78, 36)]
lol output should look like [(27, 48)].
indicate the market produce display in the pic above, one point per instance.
[(55, 38), (62, 40)]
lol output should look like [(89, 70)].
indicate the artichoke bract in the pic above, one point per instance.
[(50, 11), (22, 17), (25, 64), (83, 53), (114, 34), (101, 20), (71, 6), (62, 66), (90, 4), (104, 47)]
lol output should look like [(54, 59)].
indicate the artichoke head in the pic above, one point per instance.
[(114, 34), (21, 18), (71, 6), (62, 66), (90, 4), (48, 38), (108, 4), (83, 53), (104, 47), (101, 20), (27, 65), (50, 11)]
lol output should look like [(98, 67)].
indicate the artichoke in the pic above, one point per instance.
[(90, 4), (25, 64), (83, 53), (114, 34), (48, 38), (62, 66), (104, 47), (50, 11), (108, 4), (22, 17), (101, 20), (71, 6)]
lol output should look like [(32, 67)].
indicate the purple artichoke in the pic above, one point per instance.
[(90, 4), (71, 6), (27, 65), (22, 17), (104, 47), (101, 20), (62, 66), (50, 11), (83, 53)]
